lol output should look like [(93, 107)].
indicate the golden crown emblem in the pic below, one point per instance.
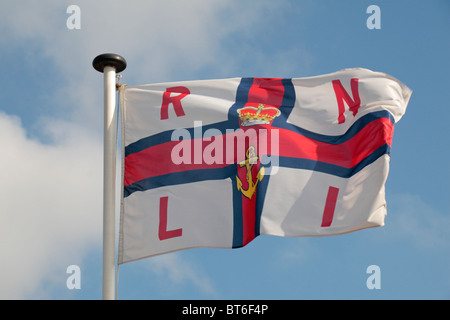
[(251, 116)]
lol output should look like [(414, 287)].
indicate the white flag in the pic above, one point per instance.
[(216, 163)]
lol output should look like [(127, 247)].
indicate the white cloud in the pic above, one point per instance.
[(50, 196), (418, 222), (161, 40), (49, 204), (169, 267)]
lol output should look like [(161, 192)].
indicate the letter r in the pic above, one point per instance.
[(174, 100)]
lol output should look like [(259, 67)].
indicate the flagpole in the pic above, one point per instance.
[(109, 64)]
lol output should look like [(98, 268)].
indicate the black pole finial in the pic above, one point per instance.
[(109, 59)]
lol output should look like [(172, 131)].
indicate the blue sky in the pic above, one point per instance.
[(51, 125)]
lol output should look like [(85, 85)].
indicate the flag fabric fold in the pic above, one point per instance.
[(215, 163)]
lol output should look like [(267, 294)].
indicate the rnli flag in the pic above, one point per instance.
[(216, 163)]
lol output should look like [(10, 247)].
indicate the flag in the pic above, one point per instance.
[(216, 163)]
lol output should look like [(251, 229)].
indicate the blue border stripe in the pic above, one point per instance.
[(338, 139), (238, 223), (182, 177), (166, 136), (332, 169), (231, 170), (359, 124), (260, 197)]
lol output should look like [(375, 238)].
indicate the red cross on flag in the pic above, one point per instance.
[(215, 163)]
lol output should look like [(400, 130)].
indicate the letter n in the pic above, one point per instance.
[(163, 233), (174, 100), (342, 95)]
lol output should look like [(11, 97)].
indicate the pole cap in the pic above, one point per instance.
[(109, 59)]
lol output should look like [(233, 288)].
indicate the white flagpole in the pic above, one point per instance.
[(109, 64)]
